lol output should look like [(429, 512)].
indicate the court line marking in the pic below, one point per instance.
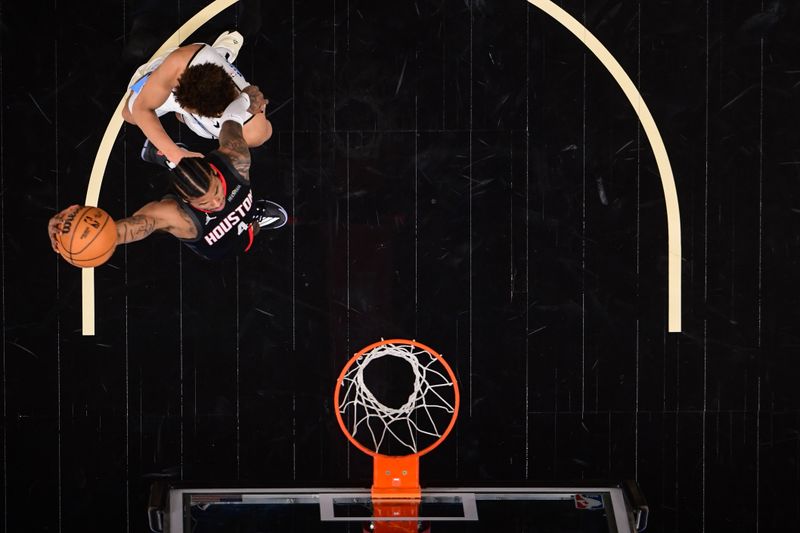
[(656, 144), (110, 136), (548, 7)]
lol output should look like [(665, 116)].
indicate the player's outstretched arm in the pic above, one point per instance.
[(154, 93), (163, 215)]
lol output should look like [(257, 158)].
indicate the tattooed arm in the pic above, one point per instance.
[(135, 228), (233, 145), (164, 215)]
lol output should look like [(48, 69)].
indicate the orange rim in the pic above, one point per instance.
[(369, 348)]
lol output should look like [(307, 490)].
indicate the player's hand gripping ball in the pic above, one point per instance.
[(85, 236)]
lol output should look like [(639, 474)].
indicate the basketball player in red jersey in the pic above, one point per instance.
[(212, 209)]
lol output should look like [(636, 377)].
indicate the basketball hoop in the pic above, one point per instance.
[(397, 436)]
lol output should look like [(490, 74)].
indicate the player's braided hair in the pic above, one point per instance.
[(191, 178), (205, 89)]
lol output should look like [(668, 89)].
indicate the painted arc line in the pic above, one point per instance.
[(656, 144), (107, 143), (547, 6)]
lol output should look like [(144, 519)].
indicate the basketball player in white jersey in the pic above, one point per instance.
[(196, 82)]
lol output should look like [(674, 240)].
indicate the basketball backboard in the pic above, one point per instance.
[(416, 422), (613, 508)]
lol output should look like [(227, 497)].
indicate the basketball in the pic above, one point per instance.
[(88, 237)]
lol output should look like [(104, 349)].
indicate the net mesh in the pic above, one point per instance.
[(418, 422)]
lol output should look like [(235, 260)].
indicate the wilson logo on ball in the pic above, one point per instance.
[(88, 237)]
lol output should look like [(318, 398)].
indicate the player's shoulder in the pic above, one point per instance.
[(169, 203), (180, 57), (165, 209), (168, 72)]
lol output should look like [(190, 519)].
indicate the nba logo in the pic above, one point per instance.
[(588, 501)]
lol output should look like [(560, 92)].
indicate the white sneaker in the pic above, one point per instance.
[(269, 215), (228, 45)]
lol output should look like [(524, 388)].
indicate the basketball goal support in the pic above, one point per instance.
[(428, 414), (396, 477), (396, 493)]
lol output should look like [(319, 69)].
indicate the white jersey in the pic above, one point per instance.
[(206, 127)]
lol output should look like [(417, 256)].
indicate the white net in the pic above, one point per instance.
[(417, 423)]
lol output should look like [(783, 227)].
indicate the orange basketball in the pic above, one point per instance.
[(88, 237)]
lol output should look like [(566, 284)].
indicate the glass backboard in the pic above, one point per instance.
[(576, 509)]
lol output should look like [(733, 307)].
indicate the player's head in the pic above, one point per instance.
[(205, 89), (198, 184)]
